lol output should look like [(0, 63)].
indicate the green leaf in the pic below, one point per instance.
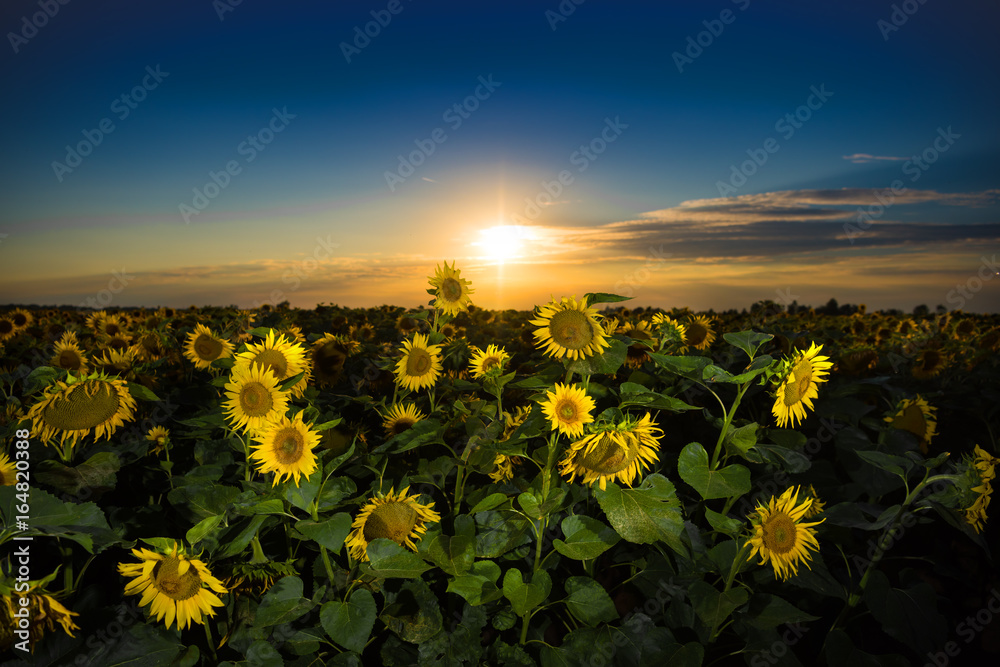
[(590, 298), (691, 368), (304, 494), (141, 392), (589, 602), (529, 504), (283, 603), (586, 537), (729, 482), (526, 596), (350, 623), (288, 383), (84, 523), (198, 532), (646, 514), (233, 546), (97, 474), (454, 555), (741, 440), (770, 611), (908, 615), (412, 613), (388, 559), (144, 645), (40, 378), (896, 465), (723, 523), (606, 363), (479, 585), (262, 654), (489, 502), (498, 532), (329, 533), (636, 394), (713, 607), (748, 341)]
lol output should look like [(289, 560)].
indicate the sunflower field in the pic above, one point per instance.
[(585, 484)]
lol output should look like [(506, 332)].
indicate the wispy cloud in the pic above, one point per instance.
[(862, 158)]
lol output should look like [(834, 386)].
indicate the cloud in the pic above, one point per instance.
[(862, 158)]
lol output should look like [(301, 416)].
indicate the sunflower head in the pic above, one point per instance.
[(698, 332), (420, 365), (395, 516), (451, 290), (253, 398), (916, 416), (503, 468), (800, 377), (568, 409), (159, 439), (203, 347), (672, 333), (980, 471), (781, 537), (44, 613), (8, 473), (178, 586), (329, 354), (401, 417), (82, 404), (285, 447), (483, 362), (613, 452), (642, 343), (280, 356), (930, 362), (569, 329), (69, 356)]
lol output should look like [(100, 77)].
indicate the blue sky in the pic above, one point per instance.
[(313, 217)]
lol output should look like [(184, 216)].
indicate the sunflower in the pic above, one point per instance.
[(615, 452), (858, 361), (362, 332), (929, 363), (503, 468), (159, 438), (698, 332), (482, 362), (984, 466), (394, 516), (282, 357), (120, 363), (286, 448), (568, 409), (513, 421), (203, 347), (73, 408), (916, 416), (256, 578), (780, 537), (111, 326), (643, 343), (148, 347), (569, 329), (329, 354), (7, 329), (44, 611), (610, 326), (401, 417), (8, 473), (670, 330), (817, 506), (420, 365), (799, 383), (452, 290), (254, 398), (69, 356), (21, 318), (175, 584), (406, 324)]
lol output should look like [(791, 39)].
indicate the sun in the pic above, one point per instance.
[(501, 243)]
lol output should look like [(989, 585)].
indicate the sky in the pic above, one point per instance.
[(227, 152)]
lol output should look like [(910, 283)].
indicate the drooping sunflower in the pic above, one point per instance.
[(568, 409), (983, 465), (672, 333), (120, 363), (395, 516), (614, 452), (503, 468), (44, 612), (698, 332), (482, 362), (282, 357), (81, 404), (329, 354), (420, 365), (802, 373), (917, 416), (175, 584), (514, 420), (69, 356), (8, 473), (928, 364), (817, 506), (159, 438), (643, 343), (401, 417), (203, 347), (253, 398), (285, 447), (780, 536), (452, 290), (569, 329)]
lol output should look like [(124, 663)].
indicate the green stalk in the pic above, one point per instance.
[(726, 424), (737, 564)]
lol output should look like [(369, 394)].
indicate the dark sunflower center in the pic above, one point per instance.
[(288, 445), (118, 343), (329, 359), (255, 399), (6, 326), (207, 348), (571, 329), (112, 329), (70, 360), (567, 410), (779, 533), (799, 381), (451, 289), (175, 586), (418, 362), (407, 324), (696, 334), (401, 424), (393, 520), (20, 320), (79, 409), (490, 362), (274, 361), (931, 360), (608, 456), (912, 420)]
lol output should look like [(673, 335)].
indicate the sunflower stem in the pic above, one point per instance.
[(208, 638), (726, 424), (459, 488), (738, 561)]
